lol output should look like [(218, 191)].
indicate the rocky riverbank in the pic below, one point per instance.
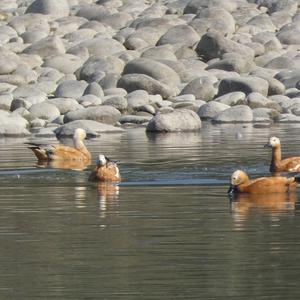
[(108, 64)]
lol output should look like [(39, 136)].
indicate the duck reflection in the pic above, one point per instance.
[(78, 165), (274, 204)]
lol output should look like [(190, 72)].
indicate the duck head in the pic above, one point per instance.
[(273, 142), (237, 178)]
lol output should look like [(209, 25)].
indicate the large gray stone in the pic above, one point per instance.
[(202, 88), (12, 124), (213, 45), (49, 46), (231, 99), (132, 82), (195, 6), (154, 69), (137, 99), (235, 114), (211, 109), (134, 119), (58, 8), (256, 100), (8, 61), (100, 47), (180, 34), (119, 102), (70, 89), (245, 84), (64, 105), (288, 118), (65, 63), (105, 114), (178, 120), (29, 93), (92, 128), (289, 78), (45, 111)]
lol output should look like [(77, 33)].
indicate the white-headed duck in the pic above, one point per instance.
[(105, 170), (61, 152), (240, 183), (291, 164)]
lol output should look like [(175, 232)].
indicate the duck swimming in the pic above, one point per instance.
[(106, 170), (240, 183), (61, 152), (291, 164)]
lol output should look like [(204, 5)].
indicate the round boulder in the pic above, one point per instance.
[(178, 120), (235, 114)]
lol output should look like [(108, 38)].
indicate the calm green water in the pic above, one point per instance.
[(168, 231)]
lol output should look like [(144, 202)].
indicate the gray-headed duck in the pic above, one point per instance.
[(105, 170)]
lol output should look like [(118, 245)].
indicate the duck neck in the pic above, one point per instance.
[(78, 144), (276, 157)]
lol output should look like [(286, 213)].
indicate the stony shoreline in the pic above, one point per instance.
[(108, 65)]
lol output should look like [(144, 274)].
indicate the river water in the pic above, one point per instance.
[(168, 231)]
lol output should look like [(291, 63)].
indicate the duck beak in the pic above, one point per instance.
[(267, 145), (231, 189)]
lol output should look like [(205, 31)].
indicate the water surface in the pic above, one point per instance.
[(168, 231)]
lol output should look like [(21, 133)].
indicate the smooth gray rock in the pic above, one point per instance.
[(30, 37), (5, 101), (233, 98), (8, 61), (70, 89), (99, 47), (80, 35), (154, 69), (288, 78), (132, 82), (235, 114), (36, 122), (92, 128), (30, 94), (284, 101), (178, 120), (195, 6), (45, 111), (256, 100), (165, 52), (180, 34), (289, 34), (115, 92), (263, 114), (213, 45), (135, 119), (110, 80), (233, 62), (288, 118), (105, 114), (12, 125), (49, 46), (245, 84), (89, 100), (65, 63), (211, 109), (93, 68), (58, 8), (119, 102), (94, 89), (118, 20), (202, 88), (64, 105), (137, 99)]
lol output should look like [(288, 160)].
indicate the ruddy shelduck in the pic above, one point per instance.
[(62, 152), (240, 183), (291, 164), (106, 170)]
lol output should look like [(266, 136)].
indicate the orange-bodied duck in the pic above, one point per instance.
[(106, 170), (61, 152), (291, 164), (240, 183)]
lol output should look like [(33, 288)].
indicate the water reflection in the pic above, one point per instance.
[(273, 204)]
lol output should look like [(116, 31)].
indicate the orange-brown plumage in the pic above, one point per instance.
[(291, 164), (106, 170), (240, 183), (61, 152)]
